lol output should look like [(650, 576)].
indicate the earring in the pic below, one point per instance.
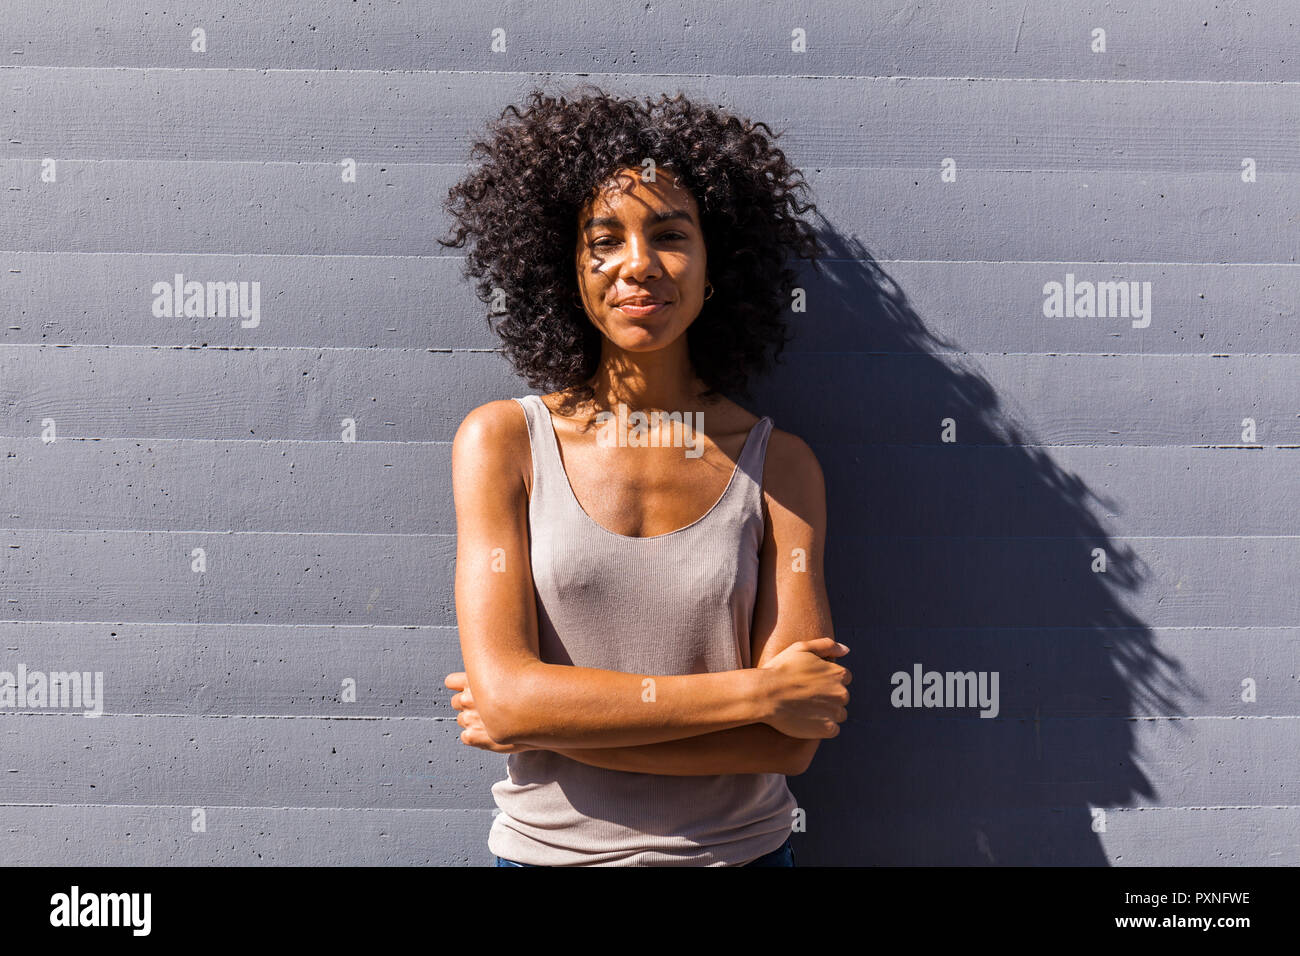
[(709, 286)]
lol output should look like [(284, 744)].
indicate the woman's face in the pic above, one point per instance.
[(641, 260)]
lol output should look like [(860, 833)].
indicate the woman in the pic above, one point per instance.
[(642, 612)]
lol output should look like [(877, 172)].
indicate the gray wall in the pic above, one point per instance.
[(1120, 690)]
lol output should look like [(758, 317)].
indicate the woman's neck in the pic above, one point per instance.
[(662, 380)]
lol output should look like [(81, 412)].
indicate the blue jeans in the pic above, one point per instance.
[(781, 856)]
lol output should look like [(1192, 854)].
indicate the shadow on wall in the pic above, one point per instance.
[(976, 555)]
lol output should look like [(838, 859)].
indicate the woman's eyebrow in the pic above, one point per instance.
[(663, 215)]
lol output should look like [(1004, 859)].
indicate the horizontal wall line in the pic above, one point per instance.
[(380, 441), (314, 534), (367, 255), (216, 806), (452, 350), (1076, 169), (5, 712), (493, 810), (1141, 628), (1055, 718), (865, 537), (240, 624), (576, 77)]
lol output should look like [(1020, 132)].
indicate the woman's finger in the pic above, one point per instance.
[(475, 737)]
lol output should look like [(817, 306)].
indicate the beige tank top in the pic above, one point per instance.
[(675, 603)]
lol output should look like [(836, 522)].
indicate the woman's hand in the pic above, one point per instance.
[(468, 717), (807, 690)]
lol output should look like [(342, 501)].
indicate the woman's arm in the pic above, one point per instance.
[(791, 606), (528, 702), (523, 700), (754, 748)]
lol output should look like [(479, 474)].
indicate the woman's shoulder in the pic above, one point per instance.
[(500, 418), (495, 434), (791, 468)]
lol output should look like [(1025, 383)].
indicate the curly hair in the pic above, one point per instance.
[(520, 208)]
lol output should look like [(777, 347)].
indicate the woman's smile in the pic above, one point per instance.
[(641, 311)]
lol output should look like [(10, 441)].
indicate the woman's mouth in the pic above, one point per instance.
[(639, 310)]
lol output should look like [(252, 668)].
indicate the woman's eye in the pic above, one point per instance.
[(606, 240)]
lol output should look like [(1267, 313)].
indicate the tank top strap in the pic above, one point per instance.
[(549, 479), (744, 495), (754, 454)]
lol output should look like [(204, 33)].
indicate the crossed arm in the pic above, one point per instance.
[(714, 723)]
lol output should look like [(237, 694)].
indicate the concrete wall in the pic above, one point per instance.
[(1102, 510)]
